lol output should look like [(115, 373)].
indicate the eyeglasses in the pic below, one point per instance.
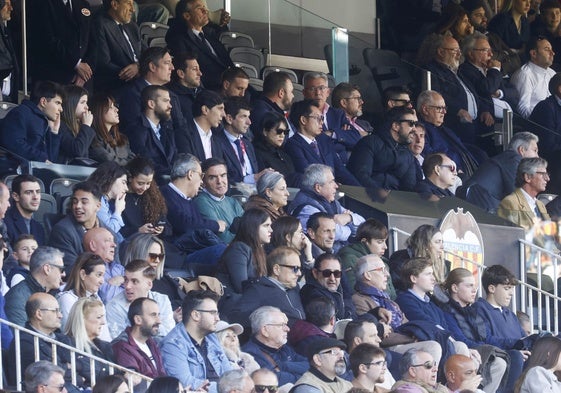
[(439, 109), (55, 310), (451, 167), (412, 123), (282, 324), (382, 363), (544, 174), (327, 273), (60, 388), (332, 351), (154, 256), (428, 364), (483, 49), (61, 268), (318, 118), (382, 269), (295, 269), (317, 88), (262, 388), (358, 98), (214, 313), (455, 50), (284, 131)]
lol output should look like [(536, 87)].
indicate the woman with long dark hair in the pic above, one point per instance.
[(287, 231), (76, 132), (109, 144), (512, 25), (542, 368)]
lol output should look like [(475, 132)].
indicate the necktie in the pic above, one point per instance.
[(68, 5), (129, 45), (314, 145), (537, 211), (202, 36), (241, 150)]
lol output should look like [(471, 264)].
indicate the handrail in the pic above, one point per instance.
[(129, 374)]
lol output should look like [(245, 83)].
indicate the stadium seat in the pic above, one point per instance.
[(269, 69), (232, 39), (248, 68), (249, 56), (159, 42), (387, 68), (5, 107), (149, 30), (8, 182), (257, 84)]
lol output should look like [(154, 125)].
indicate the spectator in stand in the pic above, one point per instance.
[(9, 67), (440, 176), (279, 289), (26, 194), (288, 232), (112, 181), (235, 381), (368, 364), (188, 34), (277, 97), (462, 374), (395, 96), (383, 160), (321, 228), (47, 271), (186, 81), (185, 219), (494, 179), (310, 145), (5, 332), (44, 373), (325, 281), (145, 207), (244, 259), (541, 370), (76, 132), (265, 379), (139, 276), (547, 25), (237, 150), (318, 194), (198, 140), (532, 79), (235, 82), (84, 326), (100, 241), (151, 134), (84, 280), (511, 24), (32, 129), (212, 202), (418, 371), (109, 144), (24, 247), (111, 384), (454, 20), (136, 348), (191, 351), (417, 146), (348, 98), (228, 336), (268, 142), (268, 345), (117, 44), (272, 195)]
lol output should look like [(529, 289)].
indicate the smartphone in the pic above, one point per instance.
[(160, 223)]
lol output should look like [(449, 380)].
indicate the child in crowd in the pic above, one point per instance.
[(24, 247)]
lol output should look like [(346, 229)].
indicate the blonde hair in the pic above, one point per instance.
[(76, 325)]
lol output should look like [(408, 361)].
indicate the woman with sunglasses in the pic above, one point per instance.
[(269, 148), (244, 259), (85, 280)]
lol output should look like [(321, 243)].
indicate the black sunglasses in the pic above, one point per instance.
[(262, 388), (295, 269), (284, 131), (327, 273)]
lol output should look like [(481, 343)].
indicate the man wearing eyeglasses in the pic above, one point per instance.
[(383, 160), (418, 374), (368, 364), (268, 345), (327, 364), (265, 381), (191, 351), (522, 207), (440, 176), (279, 289), (44, 374)]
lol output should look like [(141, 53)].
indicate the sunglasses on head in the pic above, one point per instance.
[(327, 273)]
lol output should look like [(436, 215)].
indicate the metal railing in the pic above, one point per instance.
[(130, 375)]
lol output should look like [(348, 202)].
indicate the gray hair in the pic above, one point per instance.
[(261, 317), (426, 97), (408, 359), (315, 174), (183, 164), (468, 43), (314, 75), (522, 139), (268, 181), (527, 166), (39, 373), (361, 266), (232, 380), (43, 255)]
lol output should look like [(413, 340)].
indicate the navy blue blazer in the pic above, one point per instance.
[(182, 39), (303, 155), (547, 114), (15, 225), (230, 155), (189, 141), (144, 143), (260, 107), (484, 85)]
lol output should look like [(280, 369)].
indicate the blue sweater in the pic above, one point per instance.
[(415, 309), (503, 328)]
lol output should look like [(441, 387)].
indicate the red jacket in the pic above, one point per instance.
[(128, 354)]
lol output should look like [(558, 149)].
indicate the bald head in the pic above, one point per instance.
[(43, 312), (100, 241), (459, 368)]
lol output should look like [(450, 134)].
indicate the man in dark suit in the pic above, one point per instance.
[(59, 40), (208, 112), (187, 34), (237, 150), (150, 135), (117, 45), (310, 146), (186, 81), (19, 220), (9, 66)]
